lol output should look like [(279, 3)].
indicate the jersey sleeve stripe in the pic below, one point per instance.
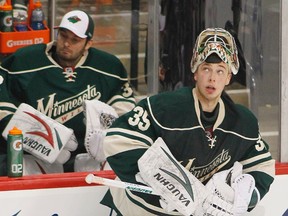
[(127, 132), (265, 167), (265, 156), (127, 144), (7, 105)]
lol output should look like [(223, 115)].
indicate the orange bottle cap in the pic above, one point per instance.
[(15, 131), (37, 4), (6, 7)]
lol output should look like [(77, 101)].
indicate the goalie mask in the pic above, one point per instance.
[(218, 41)]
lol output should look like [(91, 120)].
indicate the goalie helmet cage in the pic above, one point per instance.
[(184, 20)]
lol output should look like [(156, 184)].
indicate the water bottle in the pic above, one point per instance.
[(15, 153), (20, 22), (6, 20), (37, 17)]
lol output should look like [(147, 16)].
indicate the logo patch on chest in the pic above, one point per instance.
[(70, 74), (211, 138)]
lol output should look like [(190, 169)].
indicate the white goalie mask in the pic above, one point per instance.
[(219, 41)]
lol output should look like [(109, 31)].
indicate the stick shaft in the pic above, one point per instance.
[(90, 178)]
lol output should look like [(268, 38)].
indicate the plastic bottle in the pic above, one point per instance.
[(37, 17), (6, 18), (20, 22), (15, 153)]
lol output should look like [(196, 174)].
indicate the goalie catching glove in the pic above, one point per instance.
[(43, 137), (237, 192), (98, 117)]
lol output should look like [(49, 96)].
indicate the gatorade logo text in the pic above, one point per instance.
[(15, 43)]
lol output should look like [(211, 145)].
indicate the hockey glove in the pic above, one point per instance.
[(245, 194), (43, 137), (226, 199), (98, 117)]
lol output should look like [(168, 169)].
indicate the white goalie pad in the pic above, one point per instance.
[(177, 186), (98, 117), (43, 137)]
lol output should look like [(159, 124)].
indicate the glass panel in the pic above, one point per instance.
[(258, 33), (255, 24), (113, 25), (284, 80)]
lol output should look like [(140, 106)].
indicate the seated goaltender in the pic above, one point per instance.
[(56, 79), (206, 132)]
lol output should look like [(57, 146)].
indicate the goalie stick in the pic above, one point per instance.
[(177, 187), (90, 178)]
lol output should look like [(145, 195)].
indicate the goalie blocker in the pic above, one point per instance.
[(43, 137), (179, 189)]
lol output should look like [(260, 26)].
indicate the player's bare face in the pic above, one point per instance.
[(69, 48), (211, 79)]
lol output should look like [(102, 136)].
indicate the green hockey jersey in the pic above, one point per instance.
[(31, 76), (176, 118)]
